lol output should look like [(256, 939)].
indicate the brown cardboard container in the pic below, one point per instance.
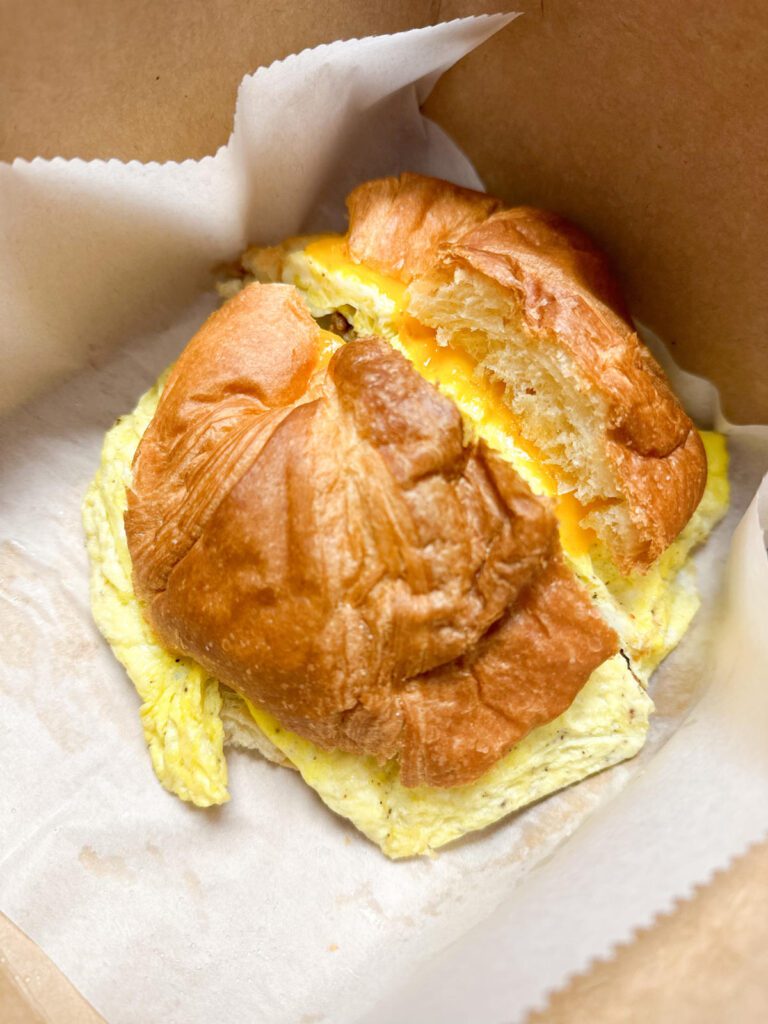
[(645, 122)]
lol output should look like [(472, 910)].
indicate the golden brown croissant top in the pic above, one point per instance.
[(326, 541)]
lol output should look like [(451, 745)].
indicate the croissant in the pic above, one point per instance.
[(315, 528)]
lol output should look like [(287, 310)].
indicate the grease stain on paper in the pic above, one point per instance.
[(363, 896), (105, 865)]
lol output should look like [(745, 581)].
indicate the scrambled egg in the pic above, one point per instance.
[(181, 704), (606, 724), (187, 717)]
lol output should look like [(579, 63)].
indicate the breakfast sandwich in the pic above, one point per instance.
[(411, 514)]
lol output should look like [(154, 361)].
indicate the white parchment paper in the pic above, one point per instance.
[(271, 909)]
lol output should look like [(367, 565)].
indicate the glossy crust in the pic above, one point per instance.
[(326, 543), (396, 223), (560, 289)]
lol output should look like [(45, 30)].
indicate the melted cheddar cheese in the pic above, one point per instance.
[(456, 374)]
